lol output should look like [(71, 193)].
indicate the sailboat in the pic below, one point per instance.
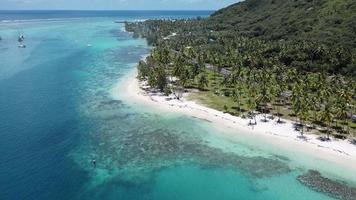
[(20, 39)]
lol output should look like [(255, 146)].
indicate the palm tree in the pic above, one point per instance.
[(143, 70), (237, 95), (202, 81), (178, 67), (344, 98), (303, 113), (341, 113), (161, 78), (251, 103), (263, 96), (327, 117), (184, 76), (297, 93)]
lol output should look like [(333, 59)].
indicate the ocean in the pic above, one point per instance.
[(57, 114)]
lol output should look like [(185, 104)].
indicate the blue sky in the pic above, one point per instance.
[(116, 4)]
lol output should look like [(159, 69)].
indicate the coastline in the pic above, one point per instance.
[(284, 136)]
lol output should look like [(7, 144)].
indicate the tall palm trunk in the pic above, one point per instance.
[(314, 118), (347, 126), (279, 114), (328, 130)]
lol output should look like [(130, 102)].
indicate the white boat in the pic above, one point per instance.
[(20, 39)]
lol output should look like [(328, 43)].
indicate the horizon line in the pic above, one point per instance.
[(98, 10)]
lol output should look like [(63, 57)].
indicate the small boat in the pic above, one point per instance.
[(89, 45), (20, 39)]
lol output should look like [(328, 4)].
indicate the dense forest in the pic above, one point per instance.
[(327, 21), (289, 58)]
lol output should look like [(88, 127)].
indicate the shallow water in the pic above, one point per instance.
[(58, 113)]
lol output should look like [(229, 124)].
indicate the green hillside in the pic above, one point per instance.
[(328, 21)]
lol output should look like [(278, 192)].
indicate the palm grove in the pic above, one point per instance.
[(310, 81)]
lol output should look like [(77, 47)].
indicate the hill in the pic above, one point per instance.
[(327, 21)]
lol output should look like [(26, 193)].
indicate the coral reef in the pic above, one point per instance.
[(314, 180)]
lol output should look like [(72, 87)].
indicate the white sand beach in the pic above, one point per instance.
[(284, 135)]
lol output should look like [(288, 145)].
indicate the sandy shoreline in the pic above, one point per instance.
[(284, 135)]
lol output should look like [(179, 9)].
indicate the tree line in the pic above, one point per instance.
[(308, 81)]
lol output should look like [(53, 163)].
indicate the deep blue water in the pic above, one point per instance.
[(58, 112), (38, 120), (139, 14)]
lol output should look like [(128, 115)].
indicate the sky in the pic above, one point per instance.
[(114, 4)]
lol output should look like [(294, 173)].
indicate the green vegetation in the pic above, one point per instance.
[(260, 55), (326, 21)]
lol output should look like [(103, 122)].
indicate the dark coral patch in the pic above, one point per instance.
[(314, 180)]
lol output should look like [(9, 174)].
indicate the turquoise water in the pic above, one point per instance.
[(58, 113)]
